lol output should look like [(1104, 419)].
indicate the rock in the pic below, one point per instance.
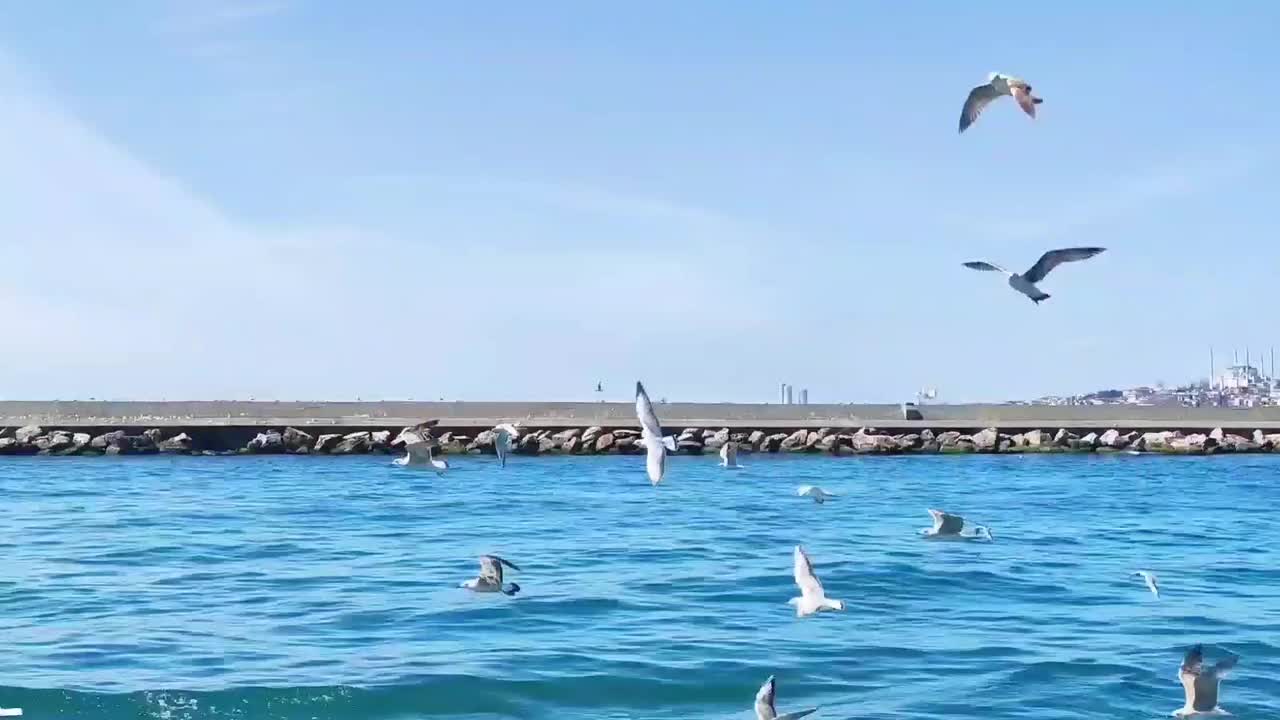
[(268, 443), (1238, 443), (1155, 440), (1019, 440), (1034, 438), (570, 446), (625, 433), (773, 443), (1259, 438), (11, 446), (755, 439), (294, 440), (354, 443), (590, 434), (830, 443), (565, 436), (927, 436), (689, 447), (545, 443), (909, 442), (624, 445), (1088, 442), (1111, 439), (103, 441), (795, 442), (865, 443), (484, 442), (949, 438), (1193, 444), (1217, 434), (54, 442), (1062, 437), (987, 440), (605, 442), (380, 440), (531, 444), (716, 440), (28, 433), (327, 442), (690, 434), (178, 444), (131, 445)]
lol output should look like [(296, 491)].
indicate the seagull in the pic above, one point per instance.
[(490, 579), (946, 525), (651, 437), (1200, 685), (503, 435), (1152, 582), (417, 444), (818, 494), (10, 712), (997, 84), (764, 704), (729, 455), (1026, 282), (812, 597)]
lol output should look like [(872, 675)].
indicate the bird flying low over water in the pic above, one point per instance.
[(490, 579), (656, 445), (1026, 282), (812, 596), (1152, 582), (418, 442), (729, 455), (764, 704), (818, 494), (503, 435), (997, 85), (1201, 686), (946, 525)]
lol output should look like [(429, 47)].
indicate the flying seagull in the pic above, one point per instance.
[(1152, 582), (651, 437), (503, 434), (1026, 282), (490, 579), (1201, 685), (764, 704), (998, 84), (818, 494), (946, 525), (729, 455), (418, 442), (812, 597)]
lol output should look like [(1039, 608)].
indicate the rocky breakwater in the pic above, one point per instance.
[(36, 440)]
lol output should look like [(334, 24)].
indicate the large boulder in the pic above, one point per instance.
[(530, 444), (11, 446), (1217, 435), (1112, 439), (690, 434), (772, 443), (570, 446), (270, 442), (1062, 438), (55, 442), (590, 434), (716, 440), (1088, 442), (1156, 441), (1034, 438), (326, 442), (605, 443), (354, 443), (756, 440), (949, 438), (296, 440), (484, 442), (867, 443), (179, 444), (796, 441), (987, 440), (380, 441), (132, 445), (27, 434), (105, 440)]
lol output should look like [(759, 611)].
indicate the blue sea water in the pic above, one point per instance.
[(302, 587)]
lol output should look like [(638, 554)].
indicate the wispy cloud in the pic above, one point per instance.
[(204, 16)]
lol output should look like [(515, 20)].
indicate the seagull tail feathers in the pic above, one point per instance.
[(511, 589)]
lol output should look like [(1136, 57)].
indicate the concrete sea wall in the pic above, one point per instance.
[(217, 427)]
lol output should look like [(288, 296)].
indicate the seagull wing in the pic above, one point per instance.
[(1222, 667), (946, 523), (797, 714), (510, 429), (808, 582), (978, 100), (1054, 258), (644, 412), (981, 265), (764, 701), (1022, 93), (491, 568)]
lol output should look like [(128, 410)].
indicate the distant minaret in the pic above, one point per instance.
[(782, 393)]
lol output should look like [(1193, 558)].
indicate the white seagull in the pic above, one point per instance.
[(1026, 282), (812, 597), (1151, 580), (490, 579), (417, 444), (946, 525), (998, 85), (818, 494), (1200, 685), (651, 437), (503, 435), (729, 455), (764, 704), (10, 712)]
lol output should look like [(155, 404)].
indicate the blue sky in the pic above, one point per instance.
[(322, 200)]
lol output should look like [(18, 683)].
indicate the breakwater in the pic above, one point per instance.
[(64, 439)]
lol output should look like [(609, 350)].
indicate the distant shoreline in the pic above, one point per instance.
[(345, 428)]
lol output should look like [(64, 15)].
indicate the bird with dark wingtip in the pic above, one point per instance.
[(997, 85), (1026, 282), (1199, 685)]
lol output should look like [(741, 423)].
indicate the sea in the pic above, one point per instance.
[(316, 588)]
